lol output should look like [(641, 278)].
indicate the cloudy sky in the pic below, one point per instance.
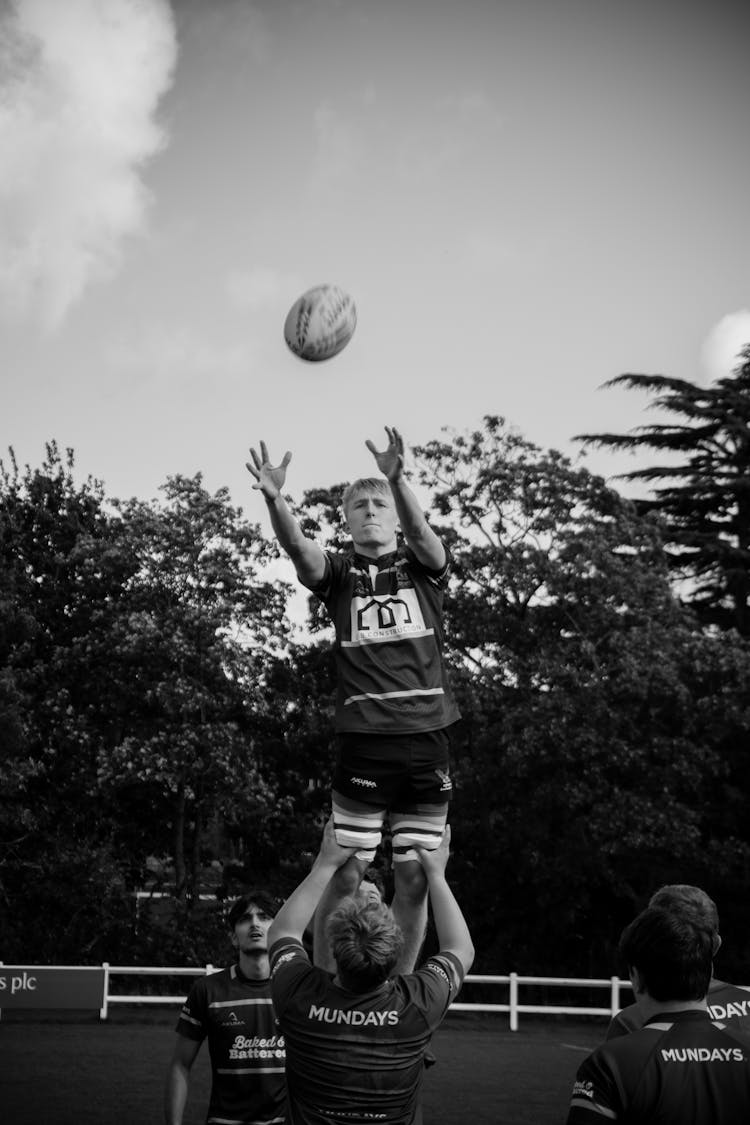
[(524, 197)]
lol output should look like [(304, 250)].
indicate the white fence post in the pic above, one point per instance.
[(513, 1000), (614, 1001), (105, 1002)]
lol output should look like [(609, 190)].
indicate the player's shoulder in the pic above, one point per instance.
[(627, 1020), (285, 951), (211, 984), (443, 967), (435, 575), (728, 1001)]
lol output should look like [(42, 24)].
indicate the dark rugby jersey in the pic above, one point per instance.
[(357, 1058), (387, 615), (680, 1068), (726, 1002), (245, 1045)]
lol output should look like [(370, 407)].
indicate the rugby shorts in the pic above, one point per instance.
[(404, 777)]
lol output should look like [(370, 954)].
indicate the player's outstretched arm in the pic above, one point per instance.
[(452, 930), (298, 909), (305, 554), (423, 541)]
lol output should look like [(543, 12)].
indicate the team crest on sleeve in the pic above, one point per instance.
[(281, 960), (439, 970)]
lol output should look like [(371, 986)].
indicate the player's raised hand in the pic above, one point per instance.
[(331, 852), (435, 860), (269, 479), (391, 460)]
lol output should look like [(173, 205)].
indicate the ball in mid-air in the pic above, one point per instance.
[(320, 323)]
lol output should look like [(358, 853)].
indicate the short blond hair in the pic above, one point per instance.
[(366, 943)]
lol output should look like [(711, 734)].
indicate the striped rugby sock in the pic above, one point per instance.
[(416, 829), (358, 828)]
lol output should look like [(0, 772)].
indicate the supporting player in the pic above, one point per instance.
[(356, 1043), (681, 1067), (233, 1009), (393, 705), (726, 1002)]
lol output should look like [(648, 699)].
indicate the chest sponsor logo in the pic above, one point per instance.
[(256, 1047), (386, 617), (352, 1016), (583, 1090), (702, 1054)]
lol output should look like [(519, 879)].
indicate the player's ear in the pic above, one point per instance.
[(636, 980), (233, 939), (716, 944)]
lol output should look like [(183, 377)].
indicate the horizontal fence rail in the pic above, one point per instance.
[(512, 982)]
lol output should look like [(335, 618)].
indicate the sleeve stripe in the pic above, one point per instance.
[(241, 1003), (593, 1107)]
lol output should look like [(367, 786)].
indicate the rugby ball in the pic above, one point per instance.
[(320, 323)]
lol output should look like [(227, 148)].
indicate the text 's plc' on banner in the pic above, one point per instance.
[(36, 986)]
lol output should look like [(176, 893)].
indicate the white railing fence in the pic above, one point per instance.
[(512, 981)]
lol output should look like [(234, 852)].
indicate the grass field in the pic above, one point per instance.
[(90, 1073)]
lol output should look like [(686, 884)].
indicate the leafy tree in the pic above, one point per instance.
[(59, 576), (705, 500), (590, 743), (185, 670), (133, 644)]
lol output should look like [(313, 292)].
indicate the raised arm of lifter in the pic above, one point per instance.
[(425, 544), (305, 554), (452, 930)]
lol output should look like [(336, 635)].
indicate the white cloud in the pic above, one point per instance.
[(80, 83), (721, 348)]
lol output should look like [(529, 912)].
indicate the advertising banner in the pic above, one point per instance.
[(34, 986)]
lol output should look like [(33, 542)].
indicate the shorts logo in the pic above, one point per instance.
[(363, 781), (583, 1090), (447, 784)]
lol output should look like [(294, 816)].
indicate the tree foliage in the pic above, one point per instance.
[(589, 742), (705, 498), (161, 725)]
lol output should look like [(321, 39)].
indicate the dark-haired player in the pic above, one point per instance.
[(727, 1002), (681, 1067), (234, 1011)]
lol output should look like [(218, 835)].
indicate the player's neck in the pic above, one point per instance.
[(255, 966), (650, 1007), (375, 551)]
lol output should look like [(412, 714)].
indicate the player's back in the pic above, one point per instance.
[(357, 1057), (683, 1069)]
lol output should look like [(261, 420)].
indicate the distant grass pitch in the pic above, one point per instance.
[(74, 1073)]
